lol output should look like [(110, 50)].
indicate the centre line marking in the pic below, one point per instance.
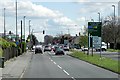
[(66, 72), (59, 67), (51, 60), (54, 62), (73, 78)]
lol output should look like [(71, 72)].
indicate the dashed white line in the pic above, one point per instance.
[(51, 60), (59, 67), (66, 72), (54, 62), (73, 78)]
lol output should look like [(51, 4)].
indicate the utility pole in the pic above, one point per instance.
[(114, 27), (4, 25), (24, 26), (21, 34), (16, 21), (29, 26)]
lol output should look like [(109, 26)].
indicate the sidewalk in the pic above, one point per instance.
[(15, 67)]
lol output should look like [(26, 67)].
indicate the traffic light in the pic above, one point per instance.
[(43, 31)]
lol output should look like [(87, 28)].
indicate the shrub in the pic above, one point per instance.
[(1, 52)]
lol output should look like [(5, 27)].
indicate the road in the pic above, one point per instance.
[(48, 65)]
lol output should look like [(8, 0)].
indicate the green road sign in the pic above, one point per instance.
[(94, 28)]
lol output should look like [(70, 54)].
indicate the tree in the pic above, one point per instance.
[(83, 41)]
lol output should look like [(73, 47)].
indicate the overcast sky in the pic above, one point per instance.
[(55, 16)]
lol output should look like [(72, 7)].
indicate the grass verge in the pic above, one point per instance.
[(113, 50), (103, 62)]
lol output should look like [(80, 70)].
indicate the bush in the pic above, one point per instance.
[(1, 52), (5, 44)]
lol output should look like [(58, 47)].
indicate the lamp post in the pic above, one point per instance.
[(24, 26), (99, 16), (29, 26), (92, 20), (4, 24), (114, 26), (16, 21)]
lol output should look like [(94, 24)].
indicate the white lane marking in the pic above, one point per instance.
[(73, 78), (54, 62), (66, 72), (59, 66), (51, 60)]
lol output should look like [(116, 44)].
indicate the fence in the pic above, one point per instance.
[(9, 53)]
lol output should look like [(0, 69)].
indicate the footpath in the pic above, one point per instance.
[(14, 68)]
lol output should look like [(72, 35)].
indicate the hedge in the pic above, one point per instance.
[(5, 44)]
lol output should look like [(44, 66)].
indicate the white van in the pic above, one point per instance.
[(103, 47)]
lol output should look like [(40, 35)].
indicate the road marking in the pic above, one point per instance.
[(23, 73), (66, 72), (54, 62), (73, 78), (51, 60), (59, 67)]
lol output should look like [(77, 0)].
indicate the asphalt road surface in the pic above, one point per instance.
[(48, 65)]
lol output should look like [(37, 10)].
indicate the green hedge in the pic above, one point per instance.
[(1, 52), (5, 44)]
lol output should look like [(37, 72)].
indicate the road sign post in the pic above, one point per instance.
[(94, 29)]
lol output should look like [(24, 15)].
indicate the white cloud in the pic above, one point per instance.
[(31, 10)]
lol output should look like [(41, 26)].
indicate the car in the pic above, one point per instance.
[(66, 47), (59, 51), (38, 49), (84, 49), (47, 48), (54, 47)]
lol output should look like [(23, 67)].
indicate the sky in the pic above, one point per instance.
[(54, 16)]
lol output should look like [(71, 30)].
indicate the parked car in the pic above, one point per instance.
[(38, 49), (84, 49), (59, 51), (66, 47), (47, 48)]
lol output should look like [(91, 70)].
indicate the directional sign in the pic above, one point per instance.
[(96, 42), (94, 28)]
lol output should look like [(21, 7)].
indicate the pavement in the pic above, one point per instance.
[(0, 73), (15, 67)]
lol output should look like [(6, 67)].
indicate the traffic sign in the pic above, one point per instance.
[(94, 28), (96, 42)]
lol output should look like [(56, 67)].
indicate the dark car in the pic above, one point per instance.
[(38, 49), (47, 48), (59, 51)]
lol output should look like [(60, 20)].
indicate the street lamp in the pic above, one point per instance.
[(99, 16), (4, 24), (92, 20), (24, 25), (114, 26), (29, 26), (16, 20)]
